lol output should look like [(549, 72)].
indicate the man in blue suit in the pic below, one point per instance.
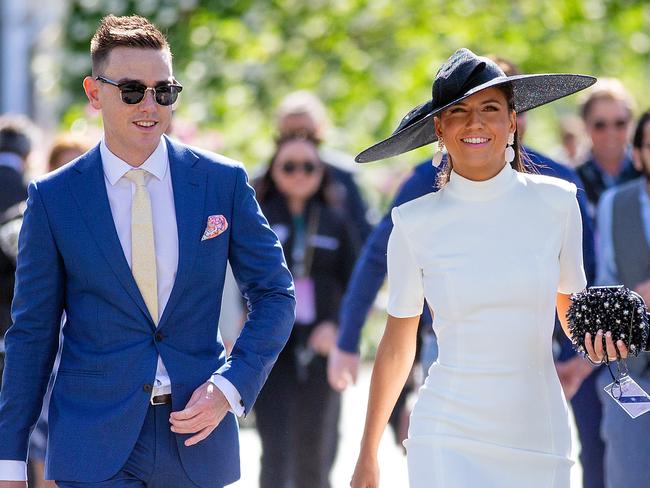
[(131, 241)]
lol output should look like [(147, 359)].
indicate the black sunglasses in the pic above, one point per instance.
[(133, 91), (604, 124), (290, 167)]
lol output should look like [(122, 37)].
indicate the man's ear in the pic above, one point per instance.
[(91, 87)]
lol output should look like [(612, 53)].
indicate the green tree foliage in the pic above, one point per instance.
[(369, 60)]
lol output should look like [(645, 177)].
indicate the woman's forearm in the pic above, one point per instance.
[(563, 302), (393, 364)]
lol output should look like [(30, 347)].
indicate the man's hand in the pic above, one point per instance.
[(643, 289), (323, 337), (342, 369), (572, 373), (13, 484), (205, 410)]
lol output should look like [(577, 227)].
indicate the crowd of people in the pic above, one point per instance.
[(309, 198)]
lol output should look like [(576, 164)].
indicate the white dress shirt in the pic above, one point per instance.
[(120, 192)]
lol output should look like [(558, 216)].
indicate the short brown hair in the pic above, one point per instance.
[(128, 31), (610, 89)]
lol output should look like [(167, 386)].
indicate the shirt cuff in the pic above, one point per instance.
[(230, 392), (13, 470)]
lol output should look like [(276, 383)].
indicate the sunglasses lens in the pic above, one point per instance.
[(132, 93), (289, 167), (166, 95), (603, 124), (307, 167)]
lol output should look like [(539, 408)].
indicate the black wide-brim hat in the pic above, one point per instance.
[(463, 75)]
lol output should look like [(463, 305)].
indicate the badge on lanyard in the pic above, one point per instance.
[(303, 255), (305, 300), (628, 394)]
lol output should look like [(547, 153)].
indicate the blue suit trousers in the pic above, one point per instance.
[(154, 461)]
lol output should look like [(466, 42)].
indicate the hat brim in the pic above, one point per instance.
[(529, 91)]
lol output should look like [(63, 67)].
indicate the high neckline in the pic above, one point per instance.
[(482, 190)]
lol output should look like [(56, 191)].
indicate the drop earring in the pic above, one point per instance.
[(510, 151), (437, 156)]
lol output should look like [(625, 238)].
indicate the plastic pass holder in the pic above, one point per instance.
[(629, 396)]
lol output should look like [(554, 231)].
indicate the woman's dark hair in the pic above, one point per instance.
[(637, 140), (517, 163), (265, 187)]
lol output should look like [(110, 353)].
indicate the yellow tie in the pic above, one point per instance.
[(143, 247)]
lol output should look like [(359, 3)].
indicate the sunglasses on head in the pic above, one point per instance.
[(133, 92), (307, 167), (604, 124)]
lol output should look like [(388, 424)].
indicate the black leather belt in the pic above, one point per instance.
[(165, 399)]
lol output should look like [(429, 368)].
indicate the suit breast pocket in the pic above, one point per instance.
[(80, 372)]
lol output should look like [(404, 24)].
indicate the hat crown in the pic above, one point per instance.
[(463, 71)]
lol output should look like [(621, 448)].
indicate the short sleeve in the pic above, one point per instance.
[(405, 288), (572, 273)]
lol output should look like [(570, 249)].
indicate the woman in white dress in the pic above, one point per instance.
[(494, 251)]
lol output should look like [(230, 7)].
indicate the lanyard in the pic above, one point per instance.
[(302, 253)]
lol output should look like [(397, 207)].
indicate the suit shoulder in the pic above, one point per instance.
[(60, 176), (624, 189), (215, 160), (627, 187)]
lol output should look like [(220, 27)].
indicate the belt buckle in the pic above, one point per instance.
[(162, 399)]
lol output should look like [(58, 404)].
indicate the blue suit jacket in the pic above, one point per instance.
[(70, 259)]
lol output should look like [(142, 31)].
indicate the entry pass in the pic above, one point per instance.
[(630, 396)]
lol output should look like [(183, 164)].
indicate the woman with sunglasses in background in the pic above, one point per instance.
[(297, 411)]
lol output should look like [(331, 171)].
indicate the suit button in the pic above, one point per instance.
[(147, 387), (158, 336)]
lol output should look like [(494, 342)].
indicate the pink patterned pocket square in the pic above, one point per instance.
[(217, 224)]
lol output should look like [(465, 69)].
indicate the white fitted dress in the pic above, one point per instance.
[(489, 257)]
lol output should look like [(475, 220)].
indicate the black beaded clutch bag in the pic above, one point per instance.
[(610, 308)]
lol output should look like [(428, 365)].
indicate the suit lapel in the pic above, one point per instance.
[(189, 184), (89, 190)]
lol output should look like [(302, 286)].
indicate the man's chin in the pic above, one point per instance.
[(144, 141)]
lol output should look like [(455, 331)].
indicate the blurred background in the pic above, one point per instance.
[(370, 61)]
